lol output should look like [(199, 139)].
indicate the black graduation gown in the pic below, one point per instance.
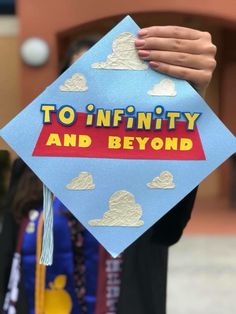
[(8, 238), (144, 269)]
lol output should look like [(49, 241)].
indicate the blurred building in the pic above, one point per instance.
[(60, 22)]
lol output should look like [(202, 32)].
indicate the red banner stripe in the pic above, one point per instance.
[(161, 144)]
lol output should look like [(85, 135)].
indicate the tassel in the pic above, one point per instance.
[(40, 275), (47, 246)]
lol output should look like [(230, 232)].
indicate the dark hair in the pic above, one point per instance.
[(74, 48), (25, 190), (4, 167), (18, 167)]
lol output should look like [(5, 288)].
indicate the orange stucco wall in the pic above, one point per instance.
[(227, 100), (47, 18), (53, 19), (9, 83)]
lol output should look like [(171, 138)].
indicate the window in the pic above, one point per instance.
[(7, 7)]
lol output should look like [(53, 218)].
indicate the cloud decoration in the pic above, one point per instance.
[(164, 181), (166, 87), (123, 212), (124, 55), (83, 182), (77, 83)]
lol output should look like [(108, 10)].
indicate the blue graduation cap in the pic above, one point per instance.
[(117, 142)]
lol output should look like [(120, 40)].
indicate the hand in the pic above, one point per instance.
[(180, 52)]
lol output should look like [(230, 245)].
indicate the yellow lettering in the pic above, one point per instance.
[(47, 109), (89, 119), (114, 142), (171, 143), (103, 118), (117, 116), (191, 119), (66, 115), (128, 142), (144, 120), (84, 141), (69, 140), (172, 115), (130, 123), (53, 139), (158, 124), (157, 143), (142, 142), (186, 144)]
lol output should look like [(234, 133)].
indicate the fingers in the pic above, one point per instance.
[(199, 78), (180, 52), (168, 44), (197, 46), (170, 32), (177, 58)]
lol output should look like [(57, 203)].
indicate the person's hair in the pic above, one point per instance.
[(4, 167), (74, 48), (25, 190)]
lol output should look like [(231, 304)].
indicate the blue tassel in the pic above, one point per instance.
[(47, 245)]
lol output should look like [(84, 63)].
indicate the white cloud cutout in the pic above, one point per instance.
[(166, 87), (124, 55), (83, 182), (123, 211), (77, 83), (164, 181)]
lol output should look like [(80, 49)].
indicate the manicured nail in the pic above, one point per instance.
[(139, 43), (143, 32), (143, 53), (154, 64)]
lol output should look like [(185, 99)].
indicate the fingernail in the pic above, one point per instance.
[(143, 53), (139, 43), (143, 32), (154, 64)]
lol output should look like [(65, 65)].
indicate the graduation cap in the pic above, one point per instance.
[(117, 142)]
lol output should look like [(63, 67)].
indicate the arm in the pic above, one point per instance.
[(168, 230), (186, 54), (180, 52)]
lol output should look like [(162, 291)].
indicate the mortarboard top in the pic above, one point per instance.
[(117, 142)]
